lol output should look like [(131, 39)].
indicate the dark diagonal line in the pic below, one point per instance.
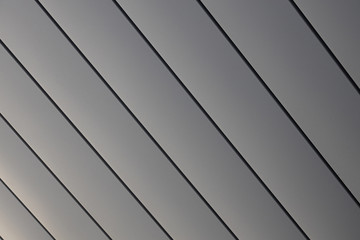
[(53, 175), (135, 118), (18, 199), (280, 105), (313, 30), (36, 155), (153, 139), (214, 124), (82, 136)]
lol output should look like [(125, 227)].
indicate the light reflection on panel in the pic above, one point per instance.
[(224, 85), (39, 191), (301, 73), (16, 223), (155, 97), (62, 149), (337, 22), (113, 132)]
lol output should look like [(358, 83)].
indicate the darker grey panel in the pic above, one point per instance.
[(337, 22), (227, 89), (16, 223), (304, 77)]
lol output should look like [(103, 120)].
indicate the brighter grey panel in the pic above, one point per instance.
[(132, 69), (337, 22), (58, 144), (300, 72), (16, 223), (221, 81), (37, 188), (111, 129)]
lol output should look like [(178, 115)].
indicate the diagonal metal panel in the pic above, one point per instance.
[(193, 143), (16, 222), (112, 131), (248, 118), (211, 69), (72, 160), (337, 23), (303, 76), (40, 191)]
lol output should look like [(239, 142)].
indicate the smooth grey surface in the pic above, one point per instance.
[(337, 22), (302, 75), (106, 124), (112, 131), (175, 119), (16, 223), (38, 189), (131, 68), (223, 84), (57, 143)]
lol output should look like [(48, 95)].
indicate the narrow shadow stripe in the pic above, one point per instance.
[(280, 105), (313, 30), (18, 199)]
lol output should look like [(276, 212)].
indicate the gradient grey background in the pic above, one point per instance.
[(277, 43), (15, 221)]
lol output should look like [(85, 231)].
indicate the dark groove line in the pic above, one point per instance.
[(53, 175), (23, 205), (327, 48), (153, 139), (82, 136), (80, 133), (136, 119), (281, 106), (214, 124), (33, 151)]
